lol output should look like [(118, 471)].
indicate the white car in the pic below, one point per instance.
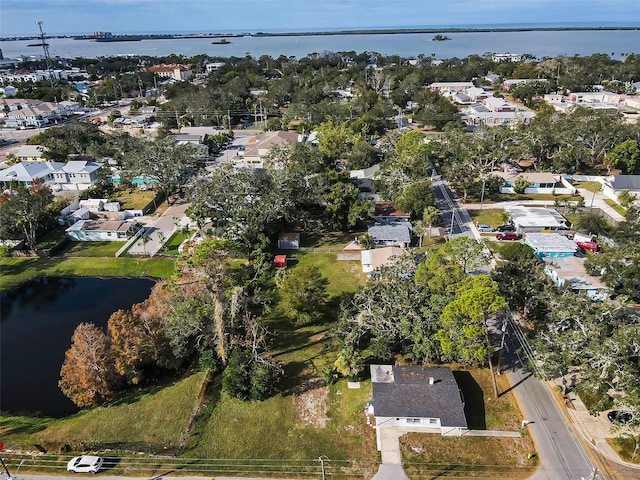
[(85, 464)]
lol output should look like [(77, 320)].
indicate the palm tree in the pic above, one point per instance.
[(420, 228), (430, 216)]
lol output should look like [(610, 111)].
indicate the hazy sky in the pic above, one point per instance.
[(17, 17)]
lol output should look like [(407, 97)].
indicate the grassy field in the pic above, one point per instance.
[(14, 271), (154, 419), (133, 198), (90, 249), (289, 426), (488, 216)]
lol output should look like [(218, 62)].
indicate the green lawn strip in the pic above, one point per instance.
[(171, 245), (488, 216), (483, 411), (140, 421), (14, 271), (133, 199), (590, 186), (625, 447), (90, 249), (621, 210)]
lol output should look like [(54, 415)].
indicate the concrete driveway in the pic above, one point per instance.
[(158, 230)]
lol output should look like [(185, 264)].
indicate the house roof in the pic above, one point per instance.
[(28, 171), (398, 232), (572, 271), (536, 217), (31, 151), (388, 209), (80, 166), (380, 257), (626, 182), (100, 226), (531, 177), (407, 392), (550, 242)]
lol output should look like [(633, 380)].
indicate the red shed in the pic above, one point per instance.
[(280, 261)]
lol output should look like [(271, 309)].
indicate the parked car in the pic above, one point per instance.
[(507, 236), (591, 246), (85, 464), (483, 227), (506, 228), (619, 417)]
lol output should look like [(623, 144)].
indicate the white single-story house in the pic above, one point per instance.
[(379, 257), (255, 151), (570, 271), (363, 178), (25, 173), (536, 219), (613, 186), (539, 182), (391, 234), (100, 231), (416, 399), (551, 245)]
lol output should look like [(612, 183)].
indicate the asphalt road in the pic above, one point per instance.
[(461, 222), (561, 455)]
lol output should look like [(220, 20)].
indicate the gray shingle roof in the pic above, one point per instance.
[(406, 392), (399, 232)]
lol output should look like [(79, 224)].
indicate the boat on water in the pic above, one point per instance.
[(224, 41), (37, 44), (440, 38)]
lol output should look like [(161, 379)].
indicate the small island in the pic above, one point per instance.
[(440, 38), (224, 41)]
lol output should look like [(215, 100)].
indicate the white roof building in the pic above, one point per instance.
[(536, 218)]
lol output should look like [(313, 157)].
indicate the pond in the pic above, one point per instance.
[(37, 321)]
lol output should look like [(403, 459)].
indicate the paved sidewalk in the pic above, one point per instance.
[(597, 200), (594, 429)]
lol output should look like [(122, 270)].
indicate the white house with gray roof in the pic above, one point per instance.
[(416, 399), (77, 175), (393, 234), (25, 173), (613, 186)]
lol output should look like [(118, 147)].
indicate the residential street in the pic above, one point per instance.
[(561, 454)]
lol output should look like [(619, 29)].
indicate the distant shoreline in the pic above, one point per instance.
[(393, 31), (385, 31)]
